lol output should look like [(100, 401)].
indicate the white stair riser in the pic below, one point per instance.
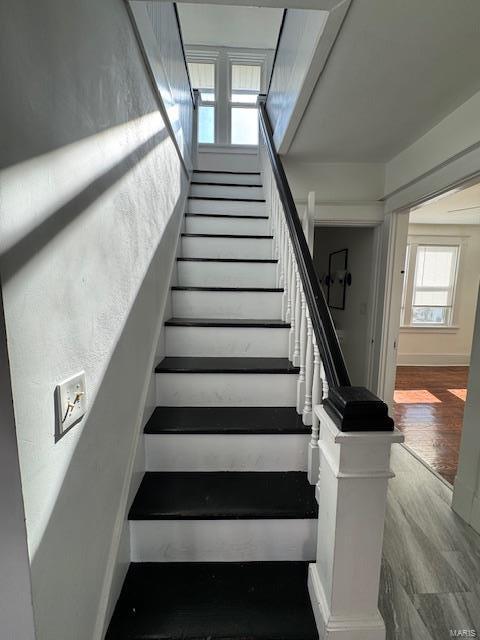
[(241, 248), (226, 452), (215, 191), (222, 540), (227, 274), (226, 206), (229, 178), (226, 304), (226, 389), (255, 342), (213, 224)]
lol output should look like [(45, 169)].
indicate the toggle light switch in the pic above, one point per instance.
[(71, 403)]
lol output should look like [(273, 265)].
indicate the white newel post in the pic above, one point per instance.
[(351, 491)]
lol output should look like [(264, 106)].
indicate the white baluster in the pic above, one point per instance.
[(303, 350), (286, 295), (298, 311), (293, 289), (323, 376), (313, 452), (307, 409), (281, 266)]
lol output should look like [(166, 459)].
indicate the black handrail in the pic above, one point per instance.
[(279, 37), (327, 339), (175, 8), (352, 408)]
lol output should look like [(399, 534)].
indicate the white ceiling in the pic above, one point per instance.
[(229, 26), (461, 207), (397, 68)]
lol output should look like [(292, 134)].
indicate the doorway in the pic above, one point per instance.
[(440, 283), (345, 258)]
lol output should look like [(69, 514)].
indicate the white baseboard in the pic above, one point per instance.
[(433, 359), (336, 628)]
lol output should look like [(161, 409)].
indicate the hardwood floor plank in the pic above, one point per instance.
[(429, 411)]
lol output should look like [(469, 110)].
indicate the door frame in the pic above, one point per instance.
[(395, 242)]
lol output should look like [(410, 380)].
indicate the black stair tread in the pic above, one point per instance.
[(215, 600), (232, 173), (260, 260), (225, 199), (243, 289), (226, 420), (222, 322), (224, 495), (190, 364), (225, 215), (225, 235), (224, 184)]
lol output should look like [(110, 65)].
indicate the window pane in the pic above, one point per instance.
[(429, 315), (202, 75), (244, 126), (206, 125), (246, 77), (431, 298), (207, 96), (435, 266), (246, 98)]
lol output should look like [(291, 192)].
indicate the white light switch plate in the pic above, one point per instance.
[(71, 399)]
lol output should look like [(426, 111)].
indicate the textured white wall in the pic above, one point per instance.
[(16, 611), (301, 31), (466, 494), (167, 51), (92, 197)]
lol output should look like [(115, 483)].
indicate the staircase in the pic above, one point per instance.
[(224, 522)]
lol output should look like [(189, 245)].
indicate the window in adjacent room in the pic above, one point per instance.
[(430, 278), (202, 76)]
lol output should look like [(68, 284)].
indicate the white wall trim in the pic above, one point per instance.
[(433, 359), (428, 329), (228, 148)]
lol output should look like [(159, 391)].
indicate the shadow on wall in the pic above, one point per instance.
[(15, 256)]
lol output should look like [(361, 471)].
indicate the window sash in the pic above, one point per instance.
[(409, 301)]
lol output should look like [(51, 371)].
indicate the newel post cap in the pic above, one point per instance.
[(357, 409)]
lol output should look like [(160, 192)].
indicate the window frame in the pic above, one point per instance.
[(413, 243), (253, 61), (208, 57)]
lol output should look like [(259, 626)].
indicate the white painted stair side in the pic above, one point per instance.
[(254, 342), (229, 178), (228, 224), (226, 452), (221, 247), (222, 540), (226, 274), (226, 304), (232, 207), (218, 191), (226, 389)]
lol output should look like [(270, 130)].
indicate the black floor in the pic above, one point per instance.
[(207, 601), (224, 495), (259, 420)]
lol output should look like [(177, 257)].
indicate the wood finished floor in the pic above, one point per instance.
[(430, 581), (429, 411)]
